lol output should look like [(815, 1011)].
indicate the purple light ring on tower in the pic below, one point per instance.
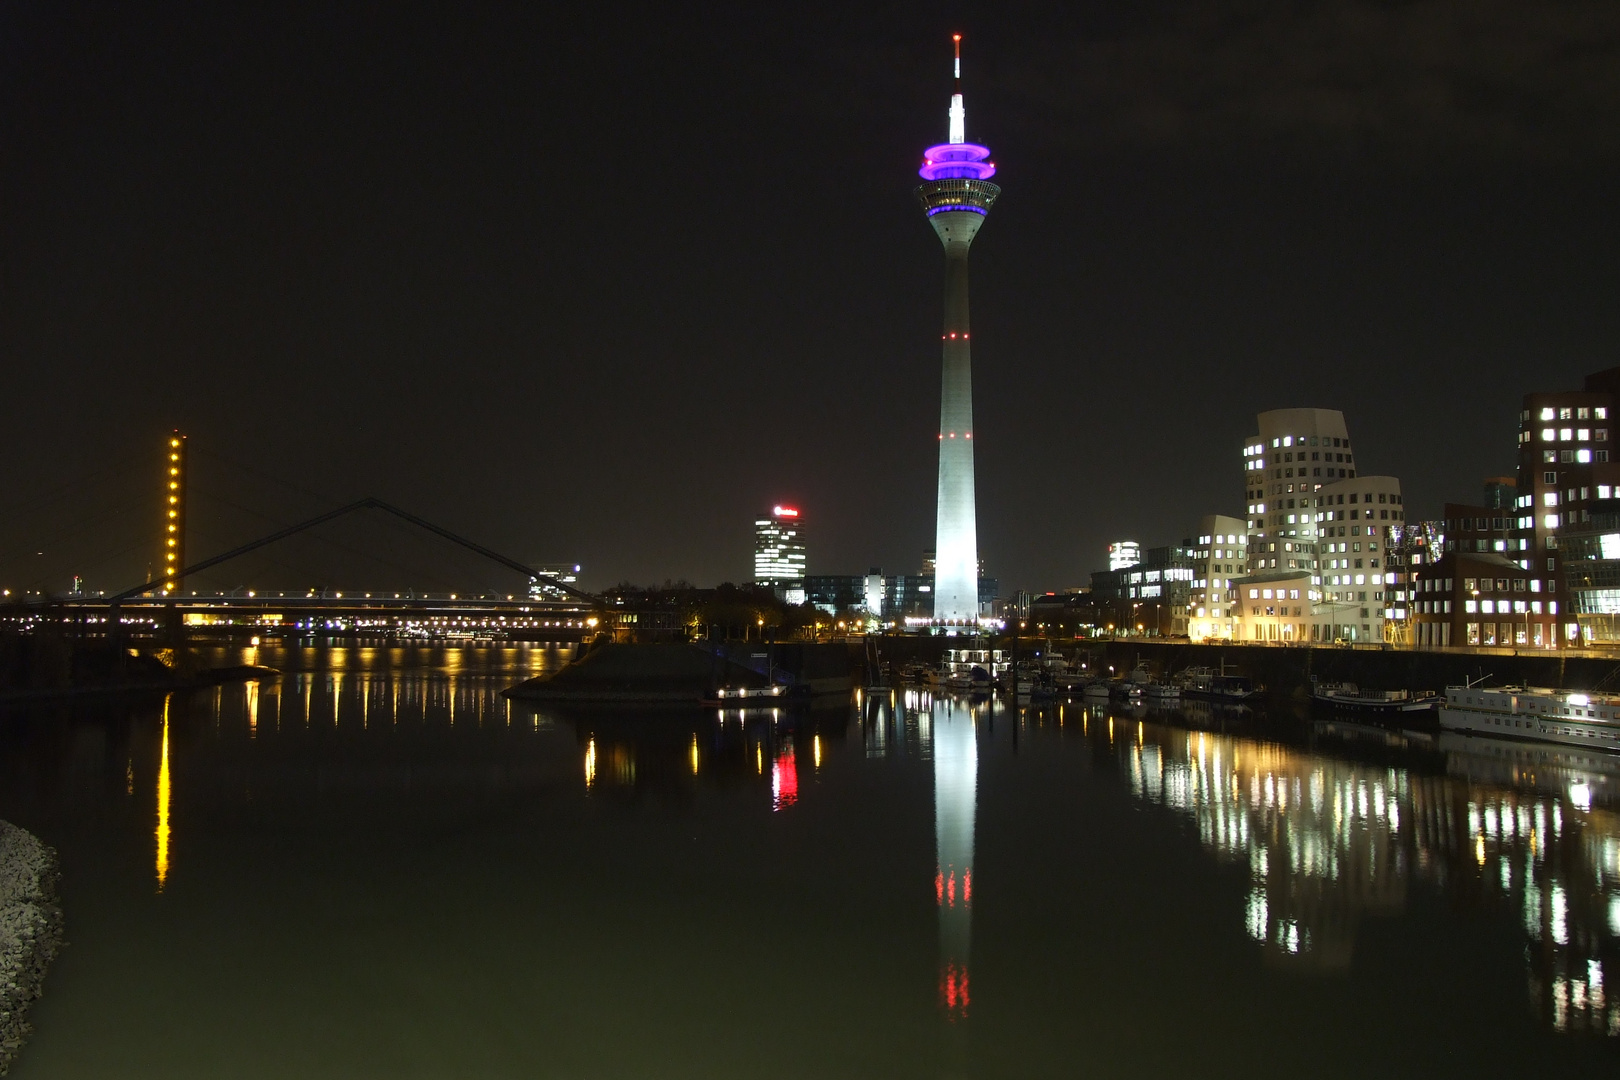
[(957, 161)]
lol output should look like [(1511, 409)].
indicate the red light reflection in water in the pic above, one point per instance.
[(945, 887), (784, 779), (953, 991)]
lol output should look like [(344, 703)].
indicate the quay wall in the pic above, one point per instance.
[(1287, 670)]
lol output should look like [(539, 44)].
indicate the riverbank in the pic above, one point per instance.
[(30, 931)]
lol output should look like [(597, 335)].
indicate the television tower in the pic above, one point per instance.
[(956, 198)]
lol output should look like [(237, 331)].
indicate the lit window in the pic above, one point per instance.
[(1583, 456), (1600, 413), (1548, 434), (1583, 434), (1563, 413), (1550, 498), (1547, 413), (1470, 608), (1565, 433)]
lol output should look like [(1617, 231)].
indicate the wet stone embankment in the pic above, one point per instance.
[(30, 931)]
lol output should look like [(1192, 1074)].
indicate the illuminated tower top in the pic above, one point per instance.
[(957, 160)]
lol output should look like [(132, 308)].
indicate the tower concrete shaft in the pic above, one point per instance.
[(956, 199), (956, 537)]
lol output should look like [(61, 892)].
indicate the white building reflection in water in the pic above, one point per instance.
[(956, 776), (1327, 841)]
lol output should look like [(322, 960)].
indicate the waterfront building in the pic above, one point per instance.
[(1277, 606), (1565, 468), (956, 196), (1123, 554), (779, 553), (1310, 510), (1296, 453), (1151, 593), (835, 593), (1359, 565), (909, 599), (873, 591), (1590, 553), (1220, 553), (1481, 598)]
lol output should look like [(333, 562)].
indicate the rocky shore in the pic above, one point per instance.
[(30, 931)]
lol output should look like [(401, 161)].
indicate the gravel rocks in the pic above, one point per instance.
[(30, 931)]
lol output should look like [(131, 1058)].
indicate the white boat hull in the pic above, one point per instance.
[(1542, 716)]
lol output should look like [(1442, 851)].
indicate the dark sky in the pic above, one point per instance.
[(598, 283)]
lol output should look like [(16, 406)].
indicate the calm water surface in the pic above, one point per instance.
[(374, 866)]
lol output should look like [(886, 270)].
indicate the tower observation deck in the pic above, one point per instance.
[(956, 197)]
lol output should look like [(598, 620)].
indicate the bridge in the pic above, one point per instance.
[(541, 607)]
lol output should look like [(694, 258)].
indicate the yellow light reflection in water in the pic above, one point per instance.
[(816, 744), (590, 763), (253, 708), (694, 754), (759, 758), (163, 805)]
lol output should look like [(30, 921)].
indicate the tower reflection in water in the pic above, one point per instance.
[(1328, 840), (956, 776)]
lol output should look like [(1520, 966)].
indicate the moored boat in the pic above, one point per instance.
[(1207, 683), (1348, 697), (746, 697), (1570, 717)]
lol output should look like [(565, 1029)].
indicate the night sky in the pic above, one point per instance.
[(599, 284)]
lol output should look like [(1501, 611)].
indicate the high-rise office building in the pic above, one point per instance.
[(956, 196), (779, 553)]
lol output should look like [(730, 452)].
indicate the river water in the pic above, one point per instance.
[(376, 866)]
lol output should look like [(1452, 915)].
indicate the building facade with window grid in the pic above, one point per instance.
[(1220, 554), (1566, 467)]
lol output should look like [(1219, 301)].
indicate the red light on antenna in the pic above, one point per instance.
[(956, 37)]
